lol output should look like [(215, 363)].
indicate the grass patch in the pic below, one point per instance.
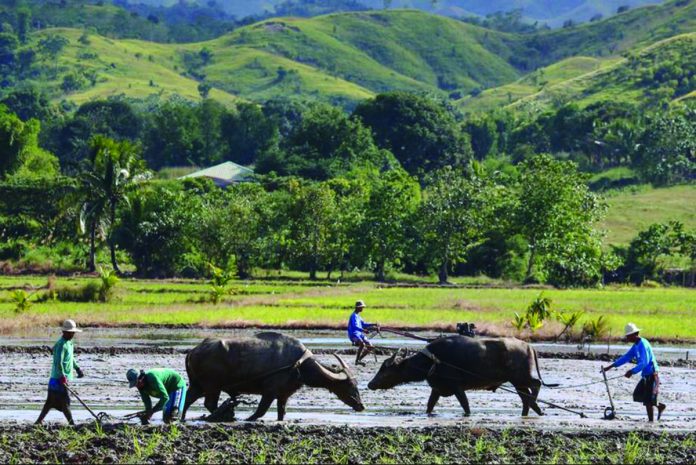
[(635, 208), (667, 313)]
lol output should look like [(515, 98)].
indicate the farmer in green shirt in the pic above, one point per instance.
[(164, 384), (61, 372)]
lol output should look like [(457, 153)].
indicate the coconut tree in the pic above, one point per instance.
[(111, 175)]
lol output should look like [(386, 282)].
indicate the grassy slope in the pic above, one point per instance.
[(120, 71), (594, 71), (637, 27), (620, 81), (534, 82), (631, 212), (668, 313), (342, 57), (346, 57)]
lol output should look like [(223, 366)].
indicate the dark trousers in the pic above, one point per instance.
[(58, 399), (647, 389)]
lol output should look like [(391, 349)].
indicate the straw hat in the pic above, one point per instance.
[(630, 329), (359, 304), (69, 326)]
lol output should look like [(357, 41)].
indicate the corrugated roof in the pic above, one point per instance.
[(224, 173)]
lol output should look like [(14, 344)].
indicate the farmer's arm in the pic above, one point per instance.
[(162, 394), (146, 400), (625, 358)]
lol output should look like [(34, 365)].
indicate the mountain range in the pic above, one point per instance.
[(551, 12), (343, 58)]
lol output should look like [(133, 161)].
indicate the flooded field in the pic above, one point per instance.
[(23, 378)]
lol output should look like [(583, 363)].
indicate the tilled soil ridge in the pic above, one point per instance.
[(98, 350), (284, 443)]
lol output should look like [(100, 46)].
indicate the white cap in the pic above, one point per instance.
[(69, 326), (359, 304), (630, 329)]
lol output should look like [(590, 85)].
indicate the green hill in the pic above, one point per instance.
[(534, 82), (631, 210), (346, 57), (661, 73), (341, 58)]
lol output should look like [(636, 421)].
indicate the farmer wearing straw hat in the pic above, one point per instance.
[(61, 372), (164, 384), (356, 332), (649, 385)]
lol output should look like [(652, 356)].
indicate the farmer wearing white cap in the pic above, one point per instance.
[(649, 385), (356, 332), (61, 372)]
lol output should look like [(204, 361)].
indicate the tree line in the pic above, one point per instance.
[(402, 183), (319, 141)]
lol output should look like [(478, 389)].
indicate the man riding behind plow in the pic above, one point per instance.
[(356, 332)]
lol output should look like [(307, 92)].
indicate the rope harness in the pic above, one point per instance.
[(436, 361)]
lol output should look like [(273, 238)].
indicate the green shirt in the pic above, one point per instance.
[(63, 360), (159, 383)]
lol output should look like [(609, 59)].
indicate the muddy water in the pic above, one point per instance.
[(23, 379), (180, 339)]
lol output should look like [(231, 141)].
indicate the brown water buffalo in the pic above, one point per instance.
[(482, 363), (270, 364)]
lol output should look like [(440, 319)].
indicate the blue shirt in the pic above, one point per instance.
[(642, 352), (356, 326)]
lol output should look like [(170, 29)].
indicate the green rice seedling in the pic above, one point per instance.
[(632, 449)]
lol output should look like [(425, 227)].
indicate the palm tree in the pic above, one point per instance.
[(113, 165)]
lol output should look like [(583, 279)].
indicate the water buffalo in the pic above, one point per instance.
[(270, 364), (484, 363)]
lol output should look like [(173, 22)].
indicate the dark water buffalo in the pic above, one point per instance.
[(269, 364), (485, 363)]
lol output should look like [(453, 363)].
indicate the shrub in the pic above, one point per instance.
[(568, 320), (88, 292), (219, 282), (595, 329), (107, 281), (21, 300), (538, 311)]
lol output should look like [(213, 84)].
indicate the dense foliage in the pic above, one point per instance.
[(403, 183)]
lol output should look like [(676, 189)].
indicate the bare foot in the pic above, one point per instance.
[(660, 408)]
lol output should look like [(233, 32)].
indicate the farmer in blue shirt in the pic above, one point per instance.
[(356, 332), (649, 385)]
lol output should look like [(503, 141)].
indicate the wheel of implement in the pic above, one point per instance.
[(609, 413)]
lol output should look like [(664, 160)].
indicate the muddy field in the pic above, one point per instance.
[(319, 428), (23, 380)]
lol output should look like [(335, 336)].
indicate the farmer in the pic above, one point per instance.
[(61, 372), (164, 384), (356, 332), (649, 385)]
